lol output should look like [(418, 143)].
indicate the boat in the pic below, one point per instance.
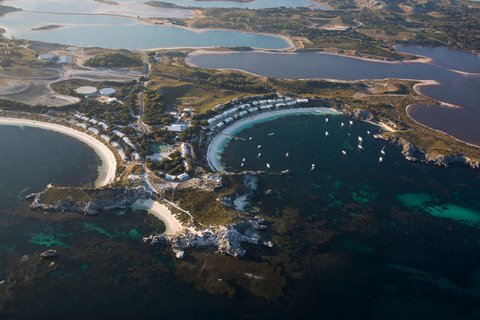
[(242, 164), (259, 155), (360, 147), (286, 155), (313, 167), (343, 124), (271, 134), (250, 138), (243, 160), (259, 146), (326, 133), (360, 139), (286, 172), (48, 254), (326, 119), (351, 122), (268, 165), (380, 159), (383, 150), (343, 151), (368, 132)]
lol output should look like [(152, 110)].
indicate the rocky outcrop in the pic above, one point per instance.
[(362, 115), (227, 240), (446, 161), (115, 198), (413, 153), (409, 151)]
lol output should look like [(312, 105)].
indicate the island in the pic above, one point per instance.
[(232, 224)]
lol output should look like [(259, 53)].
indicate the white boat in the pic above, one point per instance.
[(380, 159), (250, 138), (351, 122), (243, 160), (326, 119), (326, 133), (360, 139), (383, 150), (368, 132), (242, 164), (360, 147), (313, 167), (343, 151), (286, 155), (343, 124), (268, 166), (271, 134), (259, 155), (259, 146)]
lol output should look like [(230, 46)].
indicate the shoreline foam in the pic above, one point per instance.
[(172, 225), (106, 171)]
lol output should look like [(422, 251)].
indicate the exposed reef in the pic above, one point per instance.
[(227, 240)]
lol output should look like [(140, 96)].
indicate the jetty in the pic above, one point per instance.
[(233, 137)]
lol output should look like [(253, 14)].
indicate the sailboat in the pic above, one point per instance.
[(268, 166), (326, 119), (286, 155), (326, 133), (342, 124), (380, 159), (259, 155), (313, 167), (360, 147), (360, 139), (351, 122), (343, 151), (383, 150), (259, 146)]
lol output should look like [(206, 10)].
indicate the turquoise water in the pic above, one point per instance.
[(32, 158), (352, 230)]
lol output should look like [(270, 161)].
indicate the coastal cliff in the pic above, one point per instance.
[(413, 153)]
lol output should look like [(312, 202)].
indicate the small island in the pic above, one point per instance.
[(48, 27)]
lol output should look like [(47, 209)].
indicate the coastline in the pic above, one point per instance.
[(106, 172), (173, 226), (217, 144)]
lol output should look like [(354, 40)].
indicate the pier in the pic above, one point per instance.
[(233, 137)]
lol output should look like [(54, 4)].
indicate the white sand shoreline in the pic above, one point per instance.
[(109, 163), (220, 139), (172, 225)]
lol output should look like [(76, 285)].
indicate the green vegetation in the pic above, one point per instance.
[(205, 206), (173, 164), (114, 60), (188, 133), (154, 108)]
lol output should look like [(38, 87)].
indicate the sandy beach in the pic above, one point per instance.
[(217, 144), (173, 226), (106, 172)]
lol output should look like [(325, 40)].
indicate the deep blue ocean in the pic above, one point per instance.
[(355, 238)]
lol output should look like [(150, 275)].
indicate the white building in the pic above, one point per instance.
[(177, 127)]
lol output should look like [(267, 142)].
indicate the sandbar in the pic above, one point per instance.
[(106, 172), (172, 225), (215, 148)]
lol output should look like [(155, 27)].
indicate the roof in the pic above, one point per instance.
[(107, 91), (46, 56), (86, 90), (65, 59)]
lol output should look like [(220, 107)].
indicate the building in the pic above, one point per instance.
[(65, 59), (177, 127), (46, 57), (87, 91), (107, 91)]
